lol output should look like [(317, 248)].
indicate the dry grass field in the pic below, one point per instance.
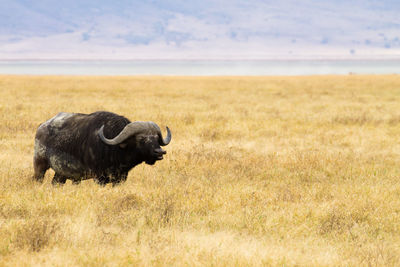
[(260, 171)]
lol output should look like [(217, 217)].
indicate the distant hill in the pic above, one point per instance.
[(199, 29)]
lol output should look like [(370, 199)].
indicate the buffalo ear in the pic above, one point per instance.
[(123, 145)]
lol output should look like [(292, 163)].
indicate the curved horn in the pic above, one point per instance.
[(162, 141), (129, 130)]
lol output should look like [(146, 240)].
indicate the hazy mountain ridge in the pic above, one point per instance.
[(174, 28)]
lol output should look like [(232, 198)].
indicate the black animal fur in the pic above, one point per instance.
[(69, 144)]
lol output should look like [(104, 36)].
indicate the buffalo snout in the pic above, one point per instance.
[(159, 152)]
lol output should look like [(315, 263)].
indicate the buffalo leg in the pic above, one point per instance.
[(76, 182), (102, 180), (120, 179), (58, 179), (40, 166)]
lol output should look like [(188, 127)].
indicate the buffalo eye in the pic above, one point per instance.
[(123, 145), (142, 140)]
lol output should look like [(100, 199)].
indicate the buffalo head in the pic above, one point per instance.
[(141, 136)]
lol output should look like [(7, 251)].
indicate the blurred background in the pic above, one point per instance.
[(201, 30)]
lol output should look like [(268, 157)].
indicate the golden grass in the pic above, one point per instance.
[(260, 171)]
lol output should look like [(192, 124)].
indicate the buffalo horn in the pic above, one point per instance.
[(129, 130), (164, 141), (134, 128)]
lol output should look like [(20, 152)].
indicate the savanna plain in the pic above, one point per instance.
[(261, 171)]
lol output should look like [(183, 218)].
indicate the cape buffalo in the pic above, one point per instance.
[(101, 145)]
